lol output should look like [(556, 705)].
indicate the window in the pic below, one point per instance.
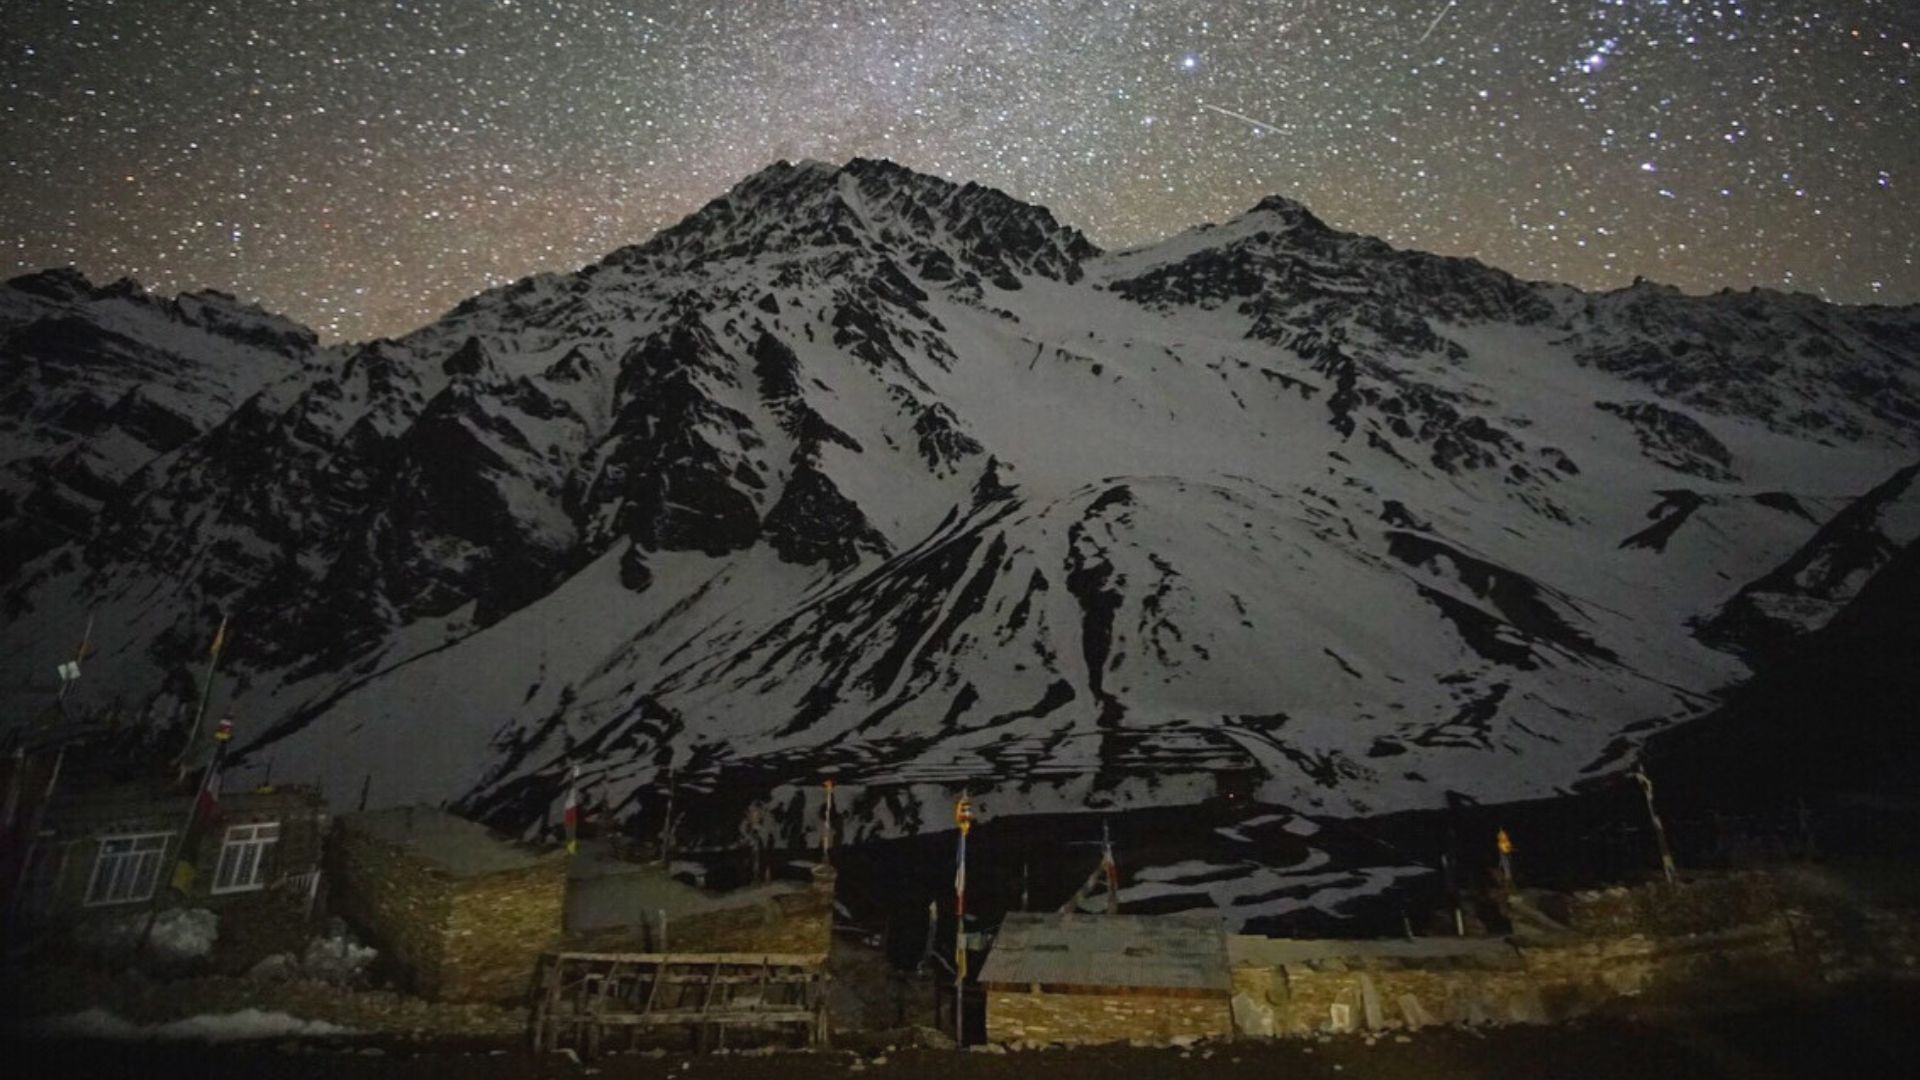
[(127, 869), (245, 856)]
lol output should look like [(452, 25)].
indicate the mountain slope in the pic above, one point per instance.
[(858, 470)]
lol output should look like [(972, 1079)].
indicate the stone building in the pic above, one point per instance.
[(105, 851), (1075, 978), (465, 912), (616, 903)]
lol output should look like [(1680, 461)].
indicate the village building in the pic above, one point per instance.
[(464, 912), (96, 837), (1076, 978), (103, 851)]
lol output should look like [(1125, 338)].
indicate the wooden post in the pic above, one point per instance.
[(826, 825)]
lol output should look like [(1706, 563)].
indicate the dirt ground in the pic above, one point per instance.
[(1865, 1031)]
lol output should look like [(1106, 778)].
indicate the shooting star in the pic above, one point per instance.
[(1262, 124), (1435, 24)]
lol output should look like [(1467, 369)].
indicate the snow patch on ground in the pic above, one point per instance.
[(210, 1027), (178, 933)]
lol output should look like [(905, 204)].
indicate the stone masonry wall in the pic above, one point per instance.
[(1095, 1018), (800, 922), (1690, 906), (1303, 997), (497, 927), (1681, 945), (397, 901)]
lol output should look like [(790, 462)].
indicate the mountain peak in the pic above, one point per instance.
[(1294, 214), (874, 205)]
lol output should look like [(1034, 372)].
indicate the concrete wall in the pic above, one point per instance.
[(1094, 1018)]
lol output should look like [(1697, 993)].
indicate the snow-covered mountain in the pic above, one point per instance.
[(860, 472)]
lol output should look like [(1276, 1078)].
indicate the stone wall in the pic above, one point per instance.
[(762, 919), (396, 900), (474, 938), (797, 922), (252, 923), (496, 929), (1551, 982), (1691, 946), (1322, 997), (79, 824), (1701, 904), (1098, 1018)]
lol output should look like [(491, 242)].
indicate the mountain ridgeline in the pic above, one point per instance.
[(859, 472)]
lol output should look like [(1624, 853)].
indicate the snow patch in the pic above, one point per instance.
[(208, 1027), (178, 933)]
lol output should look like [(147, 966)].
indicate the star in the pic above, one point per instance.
[(365, 169)]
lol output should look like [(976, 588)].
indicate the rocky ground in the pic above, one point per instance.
[(386, 1014), (1866, 1030)]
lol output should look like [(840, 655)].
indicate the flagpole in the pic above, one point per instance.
[(826, 826), (962, 816), (666, 826), (186, 833), (206, 692), (86, 639)]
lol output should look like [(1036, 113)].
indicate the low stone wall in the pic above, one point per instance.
[(1702, 904), (1097, 1018), (1691, 946), (797, 922), (1306, 999), (1548, 983)]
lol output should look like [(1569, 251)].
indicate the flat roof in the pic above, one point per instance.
[(1416, 952), (459, 847), (1164, 952)]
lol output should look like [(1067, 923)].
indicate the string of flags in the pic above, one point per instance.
[(206, 810), (963, 817)]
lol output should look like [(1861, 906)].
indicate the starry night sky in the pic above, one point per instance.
[(363, 166)]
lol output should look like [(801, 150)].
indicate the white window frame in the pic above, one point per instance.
[(243, 857), (139, 849)]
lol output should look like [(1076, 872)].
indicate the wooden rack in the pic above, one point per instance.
[(581, 999)]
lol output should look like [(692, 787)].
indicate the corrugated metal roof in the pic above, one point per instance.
[(1167, 952)]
